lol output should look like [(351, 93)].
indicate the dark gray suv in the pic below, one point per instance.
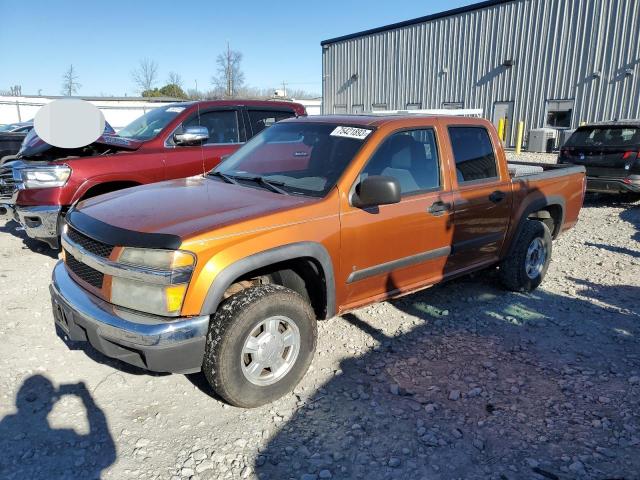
[(610, 152)]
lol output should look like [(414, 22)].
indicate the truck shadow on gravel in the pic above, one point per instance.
[(29, 243), (98, 357), (476, 383), (631, 215), (32, 449)]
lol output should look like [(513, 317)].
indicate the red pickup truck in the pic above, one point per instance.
[(172, 141)]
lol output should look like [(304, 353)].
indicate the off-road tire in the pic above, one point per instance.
[(512, 270), (236, 317)]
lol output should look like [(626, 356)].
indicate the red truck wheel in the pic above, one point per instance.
[(524, 269), (259, 346)]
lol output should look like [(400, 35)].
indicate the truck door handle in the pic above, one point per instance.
[(439, 208), (497, 196)]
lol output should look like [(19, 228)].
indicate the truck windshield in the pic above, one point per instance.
[(300, 158), (604, 137), (151, 123)]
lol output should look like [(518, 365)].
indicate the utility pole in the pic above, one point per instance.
[(284, 88), (229, 72)]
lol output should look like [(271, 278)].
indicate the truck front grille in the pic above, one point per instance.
[(89, 244), (84, 272), (7, 183)]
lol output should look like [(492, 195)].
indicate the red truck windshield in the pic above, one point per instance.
[(301, 158), (151, 123)]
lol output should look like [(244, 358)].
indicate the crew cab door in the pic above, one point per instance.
[(481, 197), (226, 134), (391, 248)]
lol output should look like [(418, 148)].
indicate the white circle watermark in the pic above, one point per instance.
[(69, 123)]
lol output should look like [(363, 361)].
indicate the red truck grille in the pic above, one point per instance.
[(84, 272), (89, 244)]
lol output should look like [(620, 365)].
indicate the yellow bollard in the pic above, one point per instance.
[(505, 130), (501, 129), (519, 137)]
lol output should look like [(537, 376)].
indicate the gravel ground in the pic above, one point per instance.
[(461, 381)]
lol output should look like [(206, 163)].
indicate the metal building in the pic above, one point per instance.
[(552, 63)]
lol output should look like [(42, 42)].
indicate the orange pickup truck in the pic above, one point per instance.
[(228, 272)]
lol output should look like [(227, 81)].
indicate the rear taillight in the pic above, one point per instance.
[(565, 154), (630, 157)]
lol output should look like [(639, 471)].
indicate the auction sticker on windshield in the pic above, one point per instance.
[(351, 132)]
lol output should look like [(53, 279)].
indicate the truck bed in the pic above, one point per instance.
[(548, 183), (547, 170)]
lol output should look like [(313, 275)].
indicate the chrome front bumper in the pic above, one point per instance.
[(148, 341), (40, 223), (7, 212)]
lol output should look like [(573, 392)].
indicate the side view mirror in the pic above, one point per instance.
[(376, 190), (191, 135)]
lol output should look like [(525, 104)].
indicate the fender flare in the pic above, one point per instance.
[(89, 183), (534, 206), (265, 258)]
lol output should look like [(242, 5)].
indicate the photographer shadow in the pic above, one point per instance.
[(32, 449)]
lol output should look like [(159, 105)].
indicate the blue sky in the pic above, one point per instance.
[(280, 40)]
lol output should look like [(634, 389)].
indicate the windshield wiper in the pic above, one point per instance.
[(270, 184), (223, 176)]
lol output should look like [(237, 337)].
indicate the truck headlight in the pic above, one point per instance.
[(159, 259), (45, 177), (165, 300)]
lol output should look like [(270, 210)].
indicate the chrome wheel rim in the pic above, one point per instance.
[(270, 350), (536, 258)]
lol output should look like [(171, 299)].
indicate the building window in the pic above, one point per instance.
[(376, 107), (357, 108), (452, 105), (559, 113), (340, 109), (414, 106)]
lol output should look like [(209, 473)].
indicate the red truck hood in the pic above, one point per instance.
[(185, 207), (33, 146)]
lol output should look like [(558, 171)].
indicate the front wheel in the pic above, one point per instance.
[(259, 346), (525, 267)]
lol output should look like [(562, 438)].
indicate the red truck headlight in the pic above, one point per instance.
[(45, 177)]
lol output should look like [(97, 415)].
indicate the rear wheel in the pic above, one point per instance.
[(259, 346), (525, 267)]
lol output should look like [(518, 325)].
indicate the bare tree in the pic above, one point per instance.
[(230, 76), (175, 79), (70, 84), (301, 93), (146, 75)]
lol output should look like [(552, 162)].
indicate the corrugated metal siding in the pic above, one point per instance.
[(557, 46)]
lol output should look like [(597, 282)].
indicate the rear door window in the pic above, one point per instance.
[(473, 153), (261, 119), (222, 126), (605, 137)]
